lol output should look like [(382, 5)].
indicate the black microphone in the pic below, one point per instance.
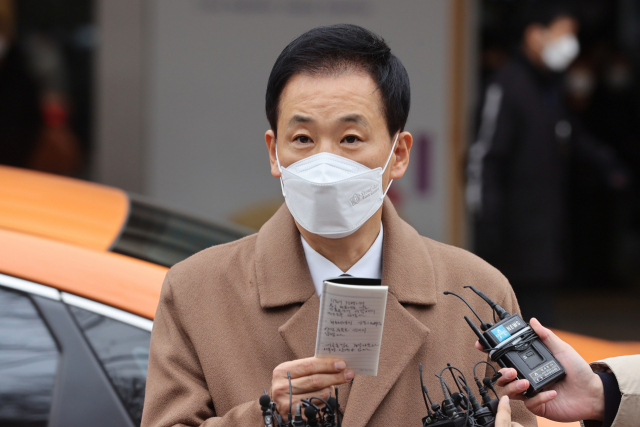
[(457, 399), (297, 420), (429, 418), (310, 414), (332, 403), (483, 325), (265, 405), (290, 396), (332, 413), (502, 313), (487, 383), (265, 402), (338, 415)]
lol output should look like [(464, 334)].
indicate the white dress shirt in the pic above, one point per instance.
[(369, 266)]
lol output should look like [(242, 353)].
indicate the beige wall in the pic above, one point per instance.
[(181, 98), (121, 68)]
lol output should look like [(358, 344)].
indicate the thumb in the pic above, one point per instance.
[(537, 404), (503, 417)]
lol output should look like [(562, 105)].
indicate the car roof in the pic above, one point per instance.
[(59, 208), (594, 349), (113, 279)]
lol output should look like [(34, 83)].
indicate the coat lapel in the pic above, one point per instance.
[(283, 279), (282, 273), (408, 271), (299, 332), (396, 352)]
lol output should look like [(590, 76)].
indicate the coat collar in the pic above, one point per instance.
[(283, 276)]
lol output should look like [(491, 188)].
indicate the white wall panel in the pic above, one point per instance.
[(206, 68)]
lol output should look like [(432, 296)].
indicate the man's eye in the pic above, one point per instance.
[(351, 139), (303, 139)]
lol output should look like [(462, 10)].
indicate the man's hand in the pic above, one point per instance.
[(311, 377), (578, 396), (503, 417)]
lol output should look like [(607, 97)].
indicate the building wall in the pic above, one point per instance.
[(204, 68)]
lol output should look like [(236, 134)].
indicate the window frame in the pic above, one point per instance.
[(33, 288), (78, 364)]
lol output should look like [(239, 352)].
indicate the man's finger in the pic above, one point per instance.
[(478, 346), (508, 375), (503, 418), (514, 389), (311, 383), (310, 366)]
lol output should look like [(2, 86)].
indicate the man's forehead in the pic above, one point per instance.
[(347, 118), (346, 98)]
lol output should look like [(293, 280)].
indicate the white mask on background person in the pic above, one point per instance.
[(330, 195), (560, 52)]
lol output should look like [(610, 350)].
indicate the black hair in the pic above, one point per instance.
[(543, 12), (337, 48)]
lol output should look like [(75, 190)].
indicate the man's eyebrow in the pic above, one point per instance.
[(300, 119), (354, 118)]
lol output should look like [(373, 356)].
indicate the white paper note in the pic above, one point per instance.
[(350, 325)]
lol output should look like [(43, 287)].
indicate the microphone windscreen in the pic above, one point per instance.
[(333, 403), (265, 401), (456, 398), (310, 412), (487, 382)]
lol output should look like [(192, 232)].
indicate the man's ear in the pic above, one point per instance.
[(270, 140), (402, 153)]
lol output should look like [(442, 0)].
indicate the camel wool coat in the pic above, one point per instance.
[(627, 372), (230, 314)]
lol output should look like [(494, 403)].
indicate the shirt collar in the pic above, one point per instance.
[(369, 266)]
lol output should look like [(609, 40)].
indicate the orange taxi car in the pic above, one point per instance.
[(81, 267)]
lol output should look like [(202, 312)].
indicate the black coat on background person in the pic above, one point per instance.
[(20, 117), (518, 175)]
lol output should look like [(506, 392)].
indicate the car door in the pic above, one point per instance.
[(68, 361)]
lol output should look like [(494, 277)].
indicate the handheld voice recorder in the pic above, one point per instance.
[(512, 343)]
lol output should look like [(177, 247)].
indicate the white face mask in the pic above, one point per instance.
[(330, 195), (559, 53)]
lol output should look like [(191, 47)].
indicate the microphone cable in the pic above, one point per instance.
[(525, 342)]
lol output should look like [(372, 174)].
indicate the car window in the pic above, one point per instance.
[(164, 237), (28, 362), (123, 351)]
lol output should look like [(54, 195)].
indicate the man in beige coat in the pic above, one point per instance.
[(234, 319)]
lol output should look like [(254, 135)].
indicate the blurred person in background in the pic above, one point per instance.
[(34, 130), (518, 165), (600, 93), (20, 118)]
